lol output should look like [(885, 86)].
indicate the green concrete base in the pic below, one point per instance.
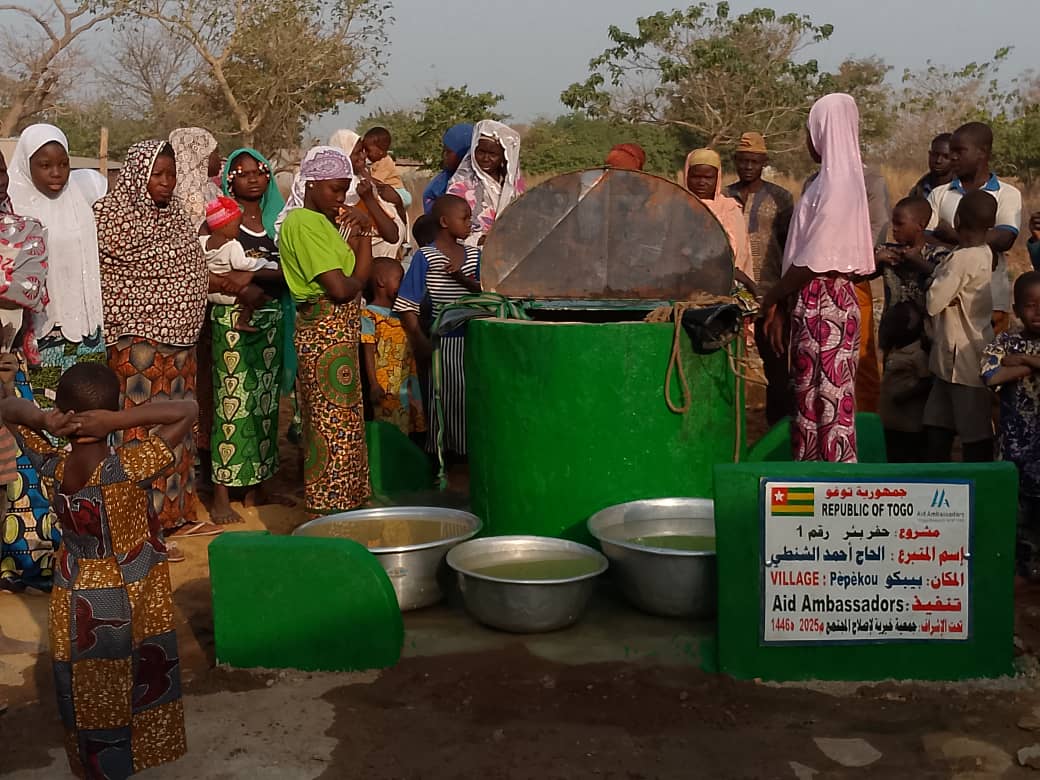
[(776, 444), (989, 650), (565, 419), (396, 464), (294, 602)]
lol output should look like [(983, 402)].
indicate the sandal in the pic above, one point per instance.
[(173, 553), (197, 528)]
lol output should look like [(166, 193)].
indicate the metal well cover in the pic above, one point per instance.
[(607, 234)]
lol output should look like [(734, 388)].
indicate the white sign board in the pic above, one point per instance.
[(868, 561)]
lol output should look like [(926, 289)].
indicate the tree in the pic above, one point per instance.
[(708, 72), (150, 76), (938, 99), (1016, 131), (573, 142), (270, 66), (417, 133), (42, 63), (865, 79)]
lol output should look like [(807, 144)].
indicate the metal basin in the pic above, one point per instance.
[(409, 541), (660, 580), (525, 606)]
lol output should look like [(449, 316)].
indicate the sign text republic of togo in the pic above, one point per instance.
[(867, 561)]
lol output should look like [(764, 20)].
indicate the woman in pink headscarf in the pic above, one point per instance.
[(828, 246)]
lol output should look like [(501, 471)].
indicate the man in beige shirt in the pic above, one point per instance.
[(960, 302)]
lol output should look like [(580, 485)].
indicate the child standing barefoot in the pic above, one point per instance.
[(116, 668)]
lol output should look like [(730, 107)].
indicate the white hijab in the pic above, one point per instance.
[(73, 276), (91, 183)]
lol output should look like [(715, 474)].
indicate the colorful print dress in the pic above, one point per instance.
[(395, 370), (114, 650)]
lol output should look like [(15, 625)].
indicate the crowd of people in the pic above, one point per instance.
[(195, 298)]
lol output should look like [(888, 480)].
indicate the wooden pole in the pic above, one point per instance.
[(103, 153)]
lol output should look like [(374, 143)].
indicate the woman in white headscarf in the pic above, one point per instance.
[(828, 247), (489, 177), (325, 276), (70, 331), (386, 219)]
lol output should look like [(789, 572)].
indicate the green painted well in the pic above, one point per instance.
[(565, 419), (296, 602), (988, 653)]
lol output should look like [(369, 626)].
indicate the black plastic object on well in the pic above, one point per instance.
[(607, 235)]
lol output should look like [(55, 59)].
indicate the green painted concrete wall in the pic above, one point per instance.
[(988, 653), (568, 418), (297, 602)]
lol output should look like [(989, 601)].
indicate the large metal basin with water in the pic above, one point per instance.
[(661, 580), (498, 592), (409, 541)]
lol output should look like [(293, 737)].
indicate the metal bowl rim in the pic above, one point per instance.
[(662, 551), (384, 512), (565, 544)]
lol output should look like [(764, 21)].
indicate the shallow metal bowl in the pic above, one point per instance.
[(523, 606), (409, 541), (661, 581)]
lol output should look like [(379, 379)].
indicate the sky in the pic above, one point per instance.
[(531, 50)]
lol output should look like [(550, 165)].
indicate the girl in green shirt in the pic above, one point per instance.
[(326, 276)]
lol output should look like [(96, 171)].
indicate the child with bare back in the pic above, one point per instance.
[(112, 640)]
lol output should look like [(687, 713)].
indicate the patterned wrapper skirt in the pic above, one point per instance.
[(58, 355), (824, 356), (335, 470), (149, 371), (29, 534), (247, 368)]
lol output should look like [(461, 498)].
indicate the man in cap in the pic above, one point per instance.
[(767, 212)]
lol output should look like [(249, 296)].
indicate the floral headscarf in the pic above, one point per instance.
[(487, 196), (23, 269), (321, 163), (153, 272), (193, 146)]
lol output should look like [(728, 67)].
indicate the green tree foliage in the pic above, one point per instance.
[(82, 125), (865, 79), (717, 75), (417, 133), (574, 142), (270, 65), (712, 73), (1016, 132)]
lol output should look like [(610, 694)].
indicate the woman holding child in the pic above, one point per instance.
[(829, 245), (326, 276), (249, 372), (154, 284)]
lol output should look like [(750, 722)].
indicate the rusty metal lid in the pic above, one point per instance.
[(607, 234)]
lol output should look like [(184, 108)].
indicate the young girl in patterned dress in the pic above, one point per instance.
[(113, 645)]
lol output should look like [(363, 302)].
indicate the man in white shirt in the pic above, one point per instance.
[(971, 148)]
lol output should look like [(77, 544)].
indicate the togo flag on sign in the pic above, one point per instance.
[(792, 501)]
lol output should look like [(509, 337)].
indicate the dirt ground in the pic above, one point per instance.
[(503, 708)]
